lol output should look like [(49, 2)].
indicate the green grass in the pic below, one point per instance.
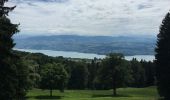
[(149, 93)]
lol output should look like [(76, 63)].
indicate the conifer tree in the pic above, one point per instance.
[(12, 74), (163, 59)]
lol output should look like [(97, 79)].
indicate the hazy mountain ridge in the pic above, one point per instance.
[(89, 44)]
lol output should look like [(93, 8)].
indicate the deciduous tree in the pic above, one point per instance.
[(53, 76)]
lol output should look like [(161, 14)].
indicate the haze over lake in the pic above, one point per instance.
[(69, 54)]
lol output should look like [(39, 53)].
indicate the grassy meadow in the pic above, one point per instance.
[(149, 93)]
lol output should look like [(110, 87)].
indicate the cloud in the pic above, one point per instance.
[(90, 17)]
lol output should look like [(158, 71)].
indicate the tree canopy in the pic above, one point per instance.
[(54, 76)]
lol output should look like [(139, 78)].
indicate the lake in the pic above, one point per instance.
[(69, 54)]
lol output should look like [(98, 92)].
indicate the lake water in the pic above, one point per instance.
[(69, 54), (140, 57)]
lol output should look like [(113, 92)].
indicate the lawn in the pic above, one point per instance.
[(149, 93)]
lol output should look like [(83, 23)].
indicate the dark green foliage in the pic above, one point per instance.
[(79, 76), (7, 77), (53, 76), (163, 59), (138, 74), (14, 80), (33, 75), (13, 74), (23, 79), (93, 67), (149, 69), (114, 73), (5, 10), (91, 73), (7, 30)]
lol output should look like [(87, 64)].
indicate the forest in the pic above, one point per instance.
[(80, 74)]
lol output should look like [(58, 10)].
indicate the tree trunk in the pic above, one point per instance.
[(51, 92), (114, 84), (114, 91)]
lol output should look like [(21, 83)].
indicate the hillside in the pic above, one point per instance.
[(134, 45)]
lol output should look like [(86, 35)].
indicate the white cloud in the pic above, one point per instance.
[(90, 17)]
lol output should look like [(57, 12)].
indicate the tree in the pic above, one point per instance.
[(7, 30), (149, 68), (23, 79), (93, 68), (33, 74), (12, 73), (163, 58), (79, 76), (115, 72), (5, 10), (53, 76), (138, 74)]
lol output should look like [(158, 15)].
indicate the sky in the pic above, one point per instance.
[(89, 17)]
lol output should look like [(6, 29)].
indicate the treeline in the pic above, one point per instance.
[(65, 73)]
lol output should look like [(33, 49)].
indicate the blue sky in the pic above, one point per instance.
[(89, 17)]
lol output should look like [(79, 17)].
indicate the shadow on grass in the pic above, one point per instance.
[(46, 97), (96, 96)]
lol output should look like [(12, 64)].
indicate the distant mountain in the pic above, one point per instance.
[(135, 45)]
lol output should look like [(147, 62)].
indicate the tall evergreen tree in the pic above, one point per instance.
[(12, 73), (93, 67), (138, 73), (163, 59)]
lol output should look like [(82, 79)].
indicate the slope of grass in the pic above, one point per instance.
[(149, 93)]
